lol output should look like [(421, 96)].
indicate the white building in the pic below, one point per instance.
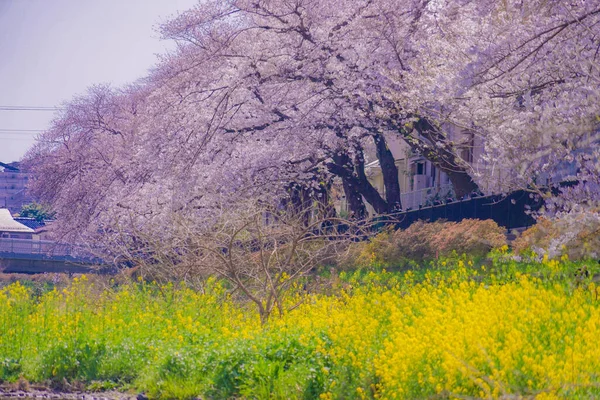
[(9, 228), (421, 183), (13, 185)]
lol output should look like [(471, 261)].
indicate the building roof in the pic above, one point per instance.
[(8, 224), (30, 222), (11, 167)]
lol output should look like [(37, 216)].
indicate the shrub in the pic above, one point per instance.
[(424, 241), (539, 235), (576, 234), (470, 236), (417, 242), (379, 251)]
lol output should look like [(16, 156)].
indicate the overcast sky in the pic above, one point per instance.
[(51, 50)]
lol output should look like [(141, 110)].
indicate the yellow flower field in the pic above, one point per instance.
[(455, 331)]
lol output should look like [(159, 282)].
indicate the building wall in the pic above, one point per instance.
[(13, 190), (16, 235), (420, 181)]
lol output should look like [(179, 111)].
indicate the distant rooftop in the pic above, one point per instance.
[(31, 222), (12, 167), (8, 224)]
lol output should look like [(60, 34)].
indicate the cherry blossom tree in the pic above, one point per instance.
[(271, 99), (523, 76), (321, 73)]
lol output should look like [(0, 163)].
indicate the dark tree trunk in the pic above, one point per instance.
[(356, 184), (389, 171), (354, 199), (370, 194), (299, 200), (343, 167), (326, 208), (462, 182), (438, 150)]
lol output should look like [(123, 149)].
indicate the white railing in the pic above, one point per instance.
[(35, 247), (425, 196)]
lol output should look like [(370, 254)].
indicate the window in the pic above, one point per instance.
[(467, 154)]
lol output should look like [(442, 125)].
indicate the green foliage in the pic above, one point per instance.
[(39, 212), (73, 361), (10, 369), (170, 341)]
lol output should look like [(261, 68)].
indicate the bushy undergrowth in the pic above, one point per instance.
[(424, 241), (453, 329), (576, 235)]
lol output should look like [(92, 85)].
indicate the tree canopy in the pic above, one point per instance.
[(272, 99), (39, 212)]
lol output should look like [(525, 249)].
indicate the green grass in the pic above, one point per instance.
[(173, 342)]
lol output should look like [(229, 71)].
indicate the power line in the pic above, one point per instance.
[(15, 138), (19, 134), (29, 108), (2, 130)]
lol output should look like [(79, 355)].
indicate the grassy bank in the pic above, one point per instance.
[(452, 329)]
